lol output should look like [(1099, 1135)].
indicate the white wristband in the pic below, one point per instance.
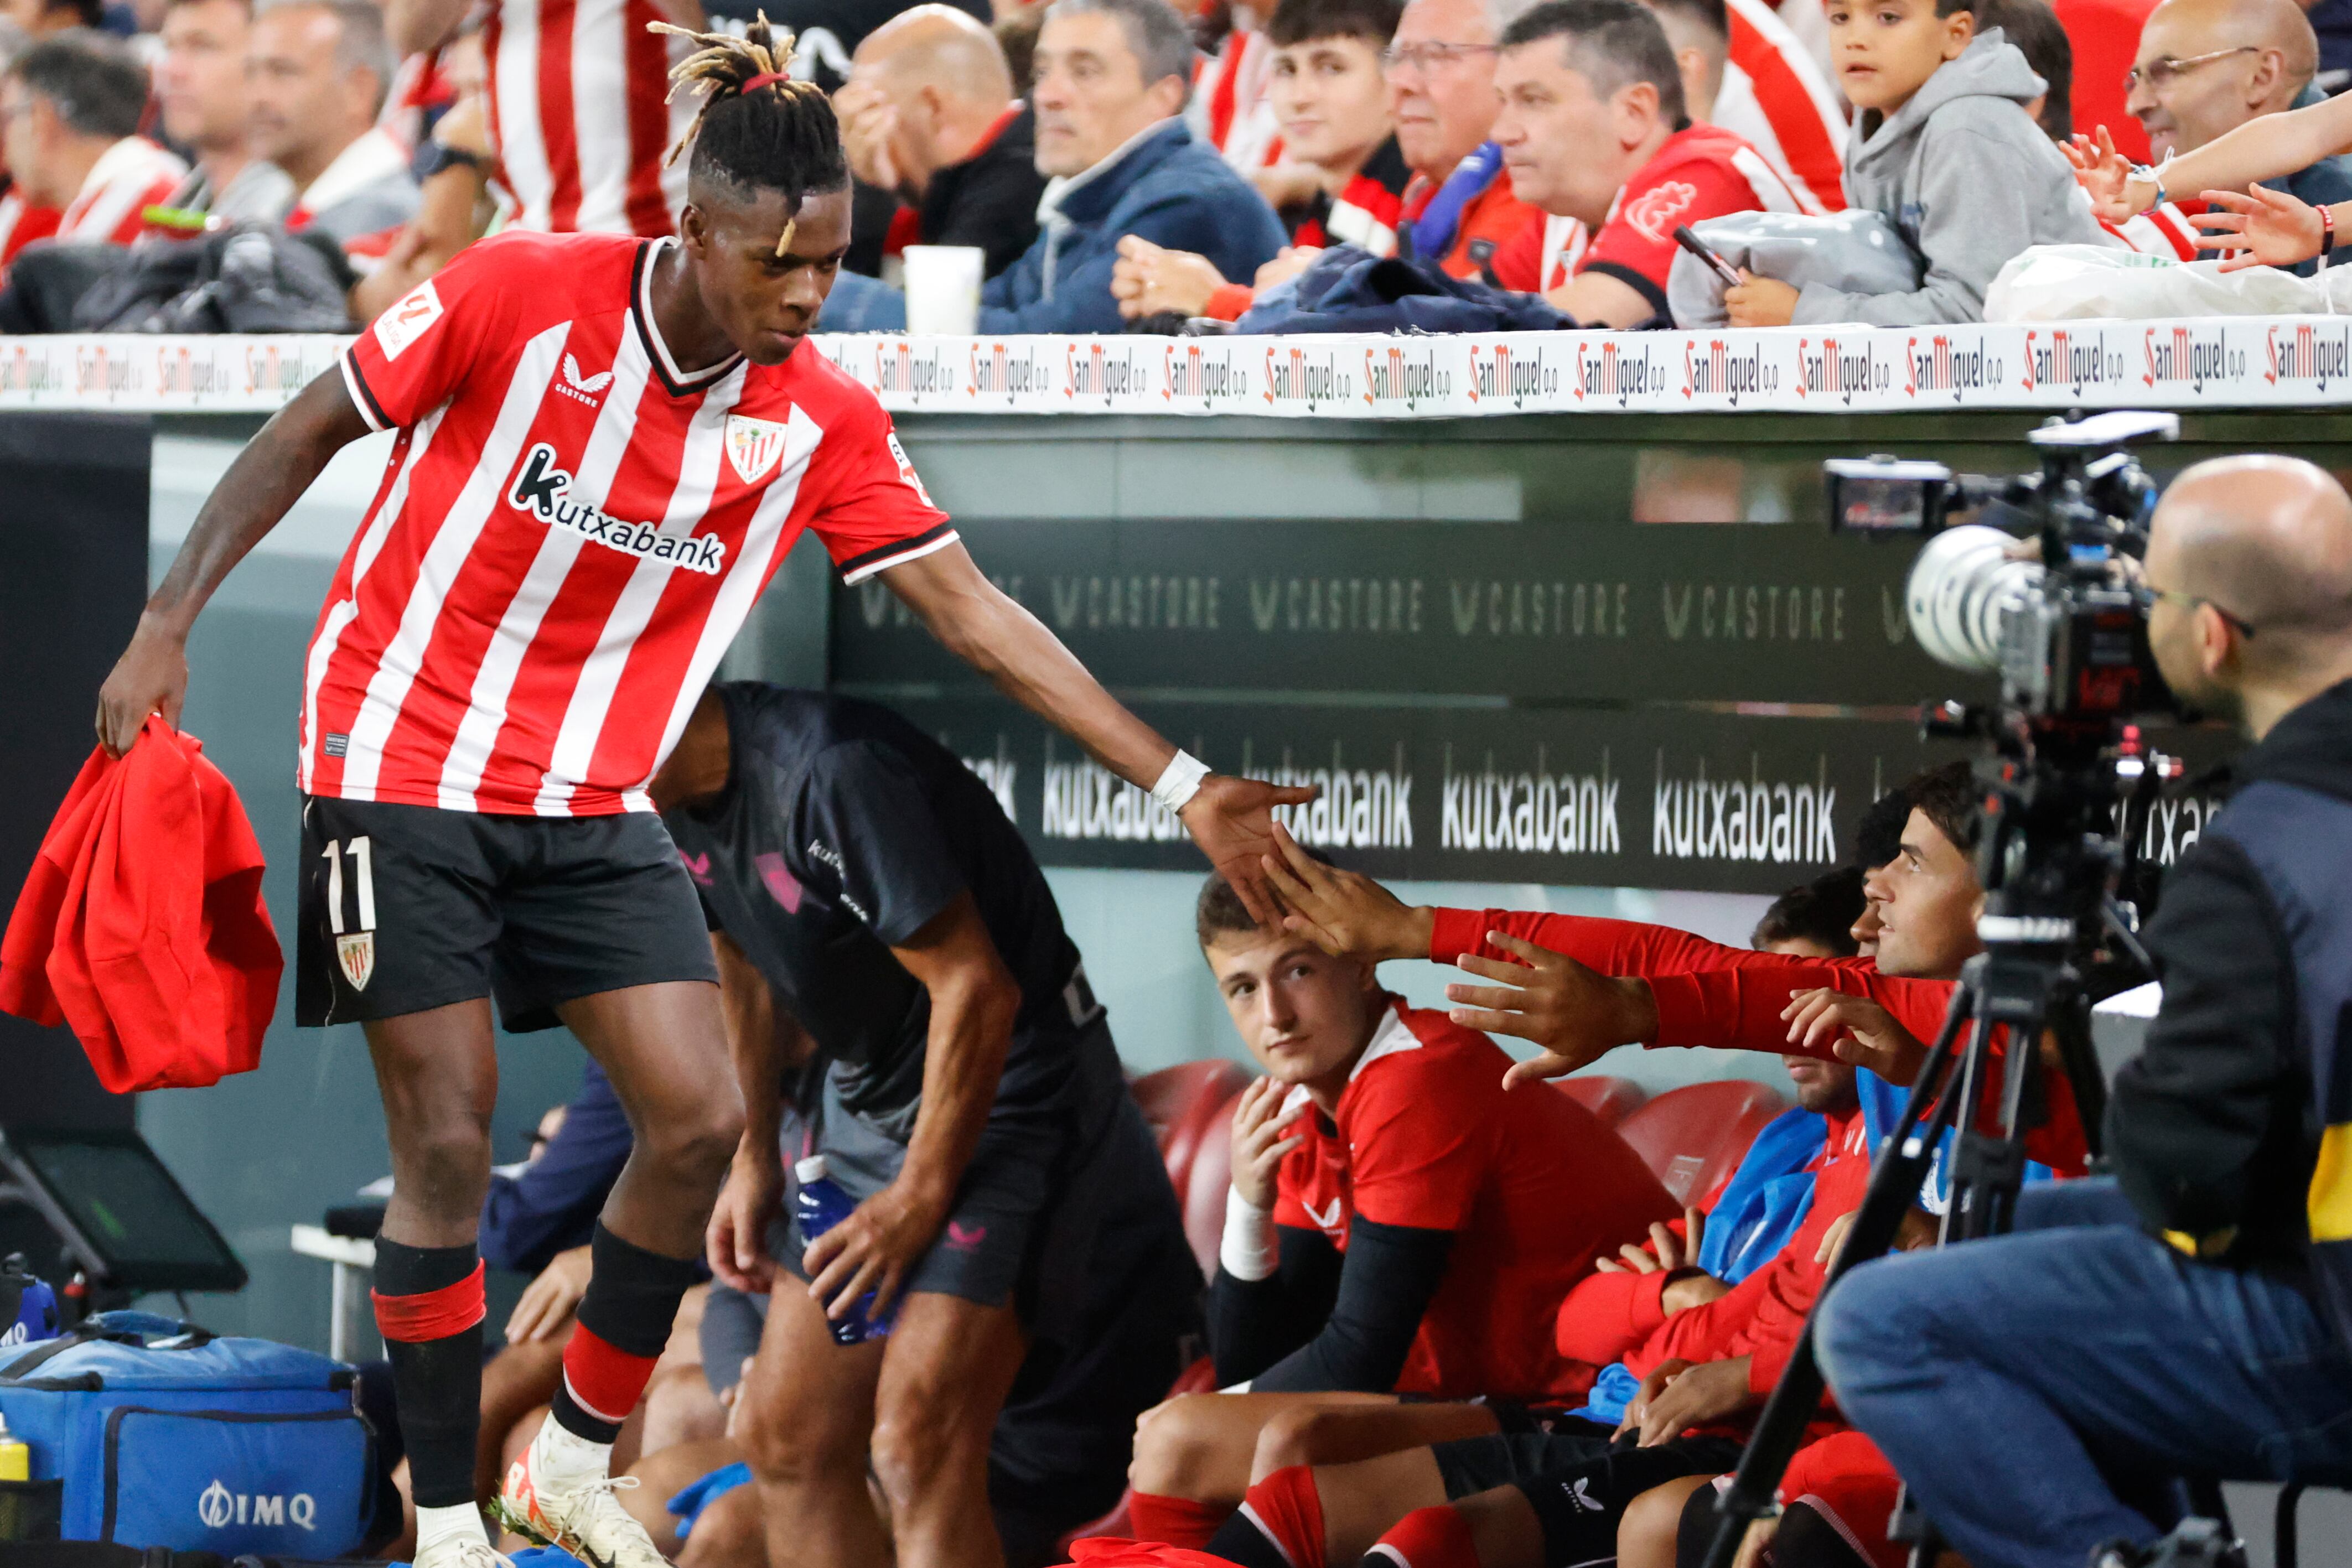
[(1179, 780), (1248, 1250)]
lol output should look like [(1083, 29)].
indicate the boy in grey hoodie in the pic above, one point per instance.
[(1946, 149)]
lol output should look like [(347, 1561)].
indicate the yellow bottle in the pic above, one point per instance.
[(16, 1455)]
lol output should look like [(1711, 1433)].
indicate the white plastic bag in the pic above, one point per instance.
[(2078, 282)]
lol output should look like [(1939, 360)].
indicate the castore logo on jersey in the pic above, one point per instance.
[(589, 389), (540, 487)]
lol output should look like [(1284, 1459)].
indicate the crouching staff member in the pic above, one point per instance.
[(972, 1103), (2201, 1325)]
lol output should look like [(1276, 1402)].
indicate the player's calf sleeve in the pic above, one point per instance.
[(428, 1307), (1425, 1538), (1279, 1525), (622, 1323), (1175, 1520)]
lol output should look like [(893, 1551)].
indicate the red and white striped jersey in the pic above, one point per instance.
[(1229, 109), (570, 531), (127, 178), (2167, 230), (577, 116), (1775, 98)]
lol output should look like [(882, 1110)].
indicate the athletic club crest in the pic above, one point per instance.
[(356, 953), (753, 446)]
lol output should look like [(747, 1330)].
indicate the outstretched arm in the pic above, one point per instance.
[(2266, 148), (268, 477), (1231, 818)]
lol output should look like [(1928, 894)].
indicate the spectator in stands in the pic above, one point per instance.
[(46, 18), (1460, 208), (1111, 76), (1948, 153), (928, 112), (1593, 132), (2222, 116), (454, 204), (200, 85), (1342, 178), (1397, 1223), (21, 223), (2042, 38), (1745, 72), (319, 71), (71, 106)]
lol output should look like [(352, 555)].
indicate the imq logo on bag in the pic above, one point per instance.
[(219, 1508)]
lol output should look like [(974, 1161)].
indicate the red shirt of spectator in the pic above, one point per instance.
[(1533, 1188), (1491, 222), (1701, 171), (21, 225)]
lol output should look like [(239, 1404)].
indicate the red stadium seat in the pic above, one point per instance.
[(1177, 1103), (1203, 1195), (1200, 1377), (1611, 1099), (1693, 1138)]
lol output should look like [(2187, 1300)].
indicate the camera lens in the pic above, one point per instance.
[(1961, 589)]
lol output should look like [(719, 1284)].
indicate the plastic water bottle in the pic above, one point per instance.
[(820, 1205)]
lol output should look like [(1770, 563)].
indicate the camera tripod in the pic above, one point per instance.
[(2051, 858)]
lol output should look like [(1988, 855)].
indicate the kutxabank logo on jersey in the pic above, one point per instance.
[(541, 489)]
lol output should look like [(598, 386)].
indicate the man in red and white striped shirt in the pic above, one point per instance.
[(71, 106), (576, 105), (1744, 71), (606, 445)]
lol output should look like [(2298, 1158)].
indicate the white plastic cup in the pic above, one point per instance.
[(943, 289)]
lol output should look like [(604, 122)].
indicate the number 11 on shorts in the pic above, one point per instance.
[(354, 950)]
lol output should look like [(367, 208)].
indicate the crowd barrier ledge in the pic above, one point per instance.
[(2231, 362)]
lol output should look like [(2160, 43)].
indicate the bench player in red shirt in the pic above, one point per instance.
[(1397, 1223), (606, 445)]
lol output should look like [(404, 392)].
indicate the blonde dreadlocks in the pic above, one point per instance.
[(757, 129)]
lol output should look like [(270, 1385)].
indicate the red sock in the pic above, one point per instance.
[(1425, 1538), (1177, 1521), (1288, 1511), (601, 1380)]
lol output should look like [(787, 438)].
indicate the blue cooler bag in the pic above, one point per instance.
[(166, 1436)]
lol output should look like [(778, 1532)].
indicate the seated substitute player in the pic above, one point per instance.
[(859, 878), (606, 446), (1397, 1224)]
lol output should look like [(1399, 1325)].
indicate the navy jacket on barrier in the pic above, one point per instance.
[(2231, 1130)]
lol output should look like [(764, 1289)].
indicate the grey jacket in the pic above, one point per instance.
[(1969, 180)]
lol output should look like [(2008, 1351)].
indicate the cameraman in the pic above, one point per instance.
[(2200, 1327)]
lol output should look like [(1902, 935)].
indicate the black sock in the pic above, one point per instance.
[(624, 1320), (1239, 1539), (437, 1381)]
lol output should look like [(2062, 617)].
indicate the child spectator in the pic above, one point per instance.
[(1947, 150)]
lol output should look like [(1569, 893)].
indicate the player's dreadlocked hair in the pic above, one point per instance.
[(758, 129)]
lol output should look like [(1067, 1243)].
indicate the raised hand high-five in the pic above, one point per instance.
[(1346, 913), (1577, 1014), (2259, 227)]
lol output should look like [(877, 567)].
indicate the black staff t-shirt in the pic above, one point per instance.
[(842, 832)]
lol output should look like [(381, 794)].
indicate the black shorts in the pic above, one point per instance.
[(1580, 1505), (403, 908), (1519, 1452)]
